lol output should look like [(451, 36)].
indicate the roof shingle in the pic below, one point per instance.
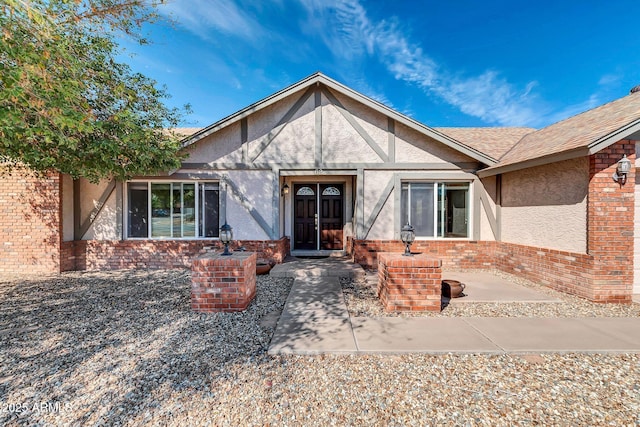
[(494, 142), (580, 131)]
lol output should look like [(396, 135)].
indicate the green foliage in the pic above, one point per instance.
[(67, 105)]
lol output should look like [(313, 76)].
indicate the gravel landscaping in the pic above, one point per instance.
[(124, 348), (360, 297)]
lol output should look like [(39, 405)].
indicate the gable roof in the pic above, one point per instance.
[(577, 136), (184, 132), (319, 78), (494, 142)]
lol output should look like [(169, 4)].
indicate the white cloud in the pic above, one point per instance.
[(487, 96), (609, 79), (201, 17), (570, 111), (351, 37)]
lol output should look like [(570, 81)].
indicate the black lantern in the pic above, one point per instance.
[(407, 235), (285, 190), (226, 234)]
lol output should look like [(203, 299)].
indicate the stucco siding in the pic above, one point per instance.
[(261, 122), (296, 141), (223, 146), (341, 142), (342, 135), (487, 208), (412, 147), (255, 190), (104, 226), (375, 182), (546, 206)]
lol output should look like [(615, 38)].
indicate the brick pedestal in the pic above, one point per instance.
[(409, 283), (223, 283)]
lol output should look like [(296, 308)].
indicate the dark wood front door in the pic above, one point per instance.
[(311, 223), (305, 217), (331, 216)]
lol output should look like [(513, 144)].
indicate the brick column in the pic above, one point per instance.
[(223, 283), (610, 225), (409, 283)]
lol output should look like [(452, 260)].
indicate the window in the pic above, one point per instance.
[(173, 209), (331, 191), (305, 191), (436, 209)]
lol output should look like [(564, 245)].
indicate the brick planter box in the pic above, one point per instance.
[(409, 283), (223, 283)]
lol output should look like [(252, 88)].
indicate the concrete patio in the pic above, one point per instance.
[(315, 320)]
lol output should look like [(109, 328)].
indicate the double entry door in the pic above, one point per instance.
[(318, 216)]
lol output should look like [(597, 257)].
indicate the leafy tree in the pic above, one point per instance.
[(67, 105)]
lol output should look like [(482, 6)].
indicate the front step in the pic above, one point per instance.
[(325, 267)]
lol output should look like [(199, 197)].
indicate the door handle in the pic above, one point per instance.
[(315, 221)]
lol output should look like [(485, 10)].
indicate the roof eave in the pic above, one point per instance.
[(630, 130), (538, 161), (239, 115), (319, 78), (623, 133)]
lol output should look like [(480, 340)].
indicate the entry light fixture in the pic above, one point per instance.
[(226, 235), (407, 235), (285, 189), (624, 167)]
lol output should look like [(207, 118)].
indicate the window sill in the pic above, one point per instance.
[(173, 238)]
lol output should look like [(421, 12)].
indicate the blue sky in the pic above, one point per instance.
[(443, 63)]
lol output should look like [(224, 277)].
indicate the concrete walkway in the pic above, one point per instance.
[(315, 320)]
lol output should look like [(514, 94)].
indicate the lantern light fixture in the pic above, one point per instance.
[(407, 235), (623, 168), (285, 189), (226, 235)]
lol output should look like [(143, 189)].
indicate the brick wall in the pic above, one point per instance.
[(568, 272), (155, 254), (453, 253), (610, 225), (68, 255), (223, 283), (30, 226)]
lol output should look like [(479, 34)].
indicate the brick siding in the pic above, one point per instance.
[(610, 225), (30, 222), (155, 254)]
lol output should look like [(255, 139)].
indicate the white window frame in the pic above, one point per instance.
[(149, 182), (436, 185)]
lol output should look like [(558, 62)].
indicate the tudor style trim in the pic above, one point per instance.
[(322, 167), (378, 207), (355, 125), (86, 224), (266, 141), (320, 79)]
